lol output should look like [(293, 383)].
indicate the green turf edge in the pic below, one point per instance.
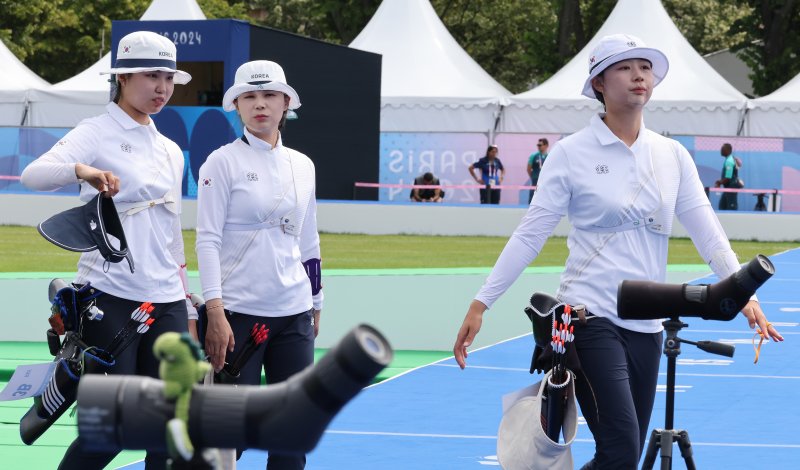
[(47, 452), (30, 352)]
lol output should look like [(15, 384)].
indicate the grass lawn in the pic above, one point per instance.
[(24, 250)]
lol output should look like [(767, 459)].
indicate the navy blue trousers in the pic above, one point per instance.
[(616, 389), (489, 196), (289, 348), (137, 359)]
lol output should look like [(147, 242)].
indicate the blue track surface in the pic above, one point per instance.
[(739, 415)]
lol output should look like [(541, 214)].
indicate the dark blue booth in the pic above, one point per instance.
[(338, 125)]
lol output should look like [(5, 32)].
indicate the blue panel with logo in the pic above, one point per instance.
[(198, 131), (226, 41)]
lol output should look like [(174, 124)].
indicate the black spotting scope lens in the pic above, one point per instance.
[(755, 273), (374, 344), (767, 268), (130, 412), (648, 300)]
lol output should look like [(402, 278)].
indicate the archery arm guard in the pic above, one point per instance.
[(313, 269)]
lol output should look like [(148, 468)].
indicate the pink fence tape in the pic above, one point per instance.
[(442, 186), (755, 191)]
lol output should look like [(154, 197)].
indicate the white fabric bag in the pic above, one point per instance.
[(522, 444)]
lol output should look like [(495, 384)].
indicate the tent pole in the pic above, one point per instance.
[(497, 116), (742, 120), (25, 112)]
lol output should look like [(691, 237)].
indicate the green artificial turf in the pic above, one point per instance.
[(24, 250)]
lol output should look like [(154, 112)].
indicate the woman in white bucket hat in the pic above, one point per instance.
[(620, 184), (122, 154), (257, 242)]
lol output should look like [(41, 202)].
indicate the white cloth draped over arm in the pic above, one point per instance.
[(522, 248), (212, 211), (710, 240)]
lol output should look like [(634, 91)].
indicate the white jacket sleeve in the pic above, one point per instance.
[(309, 248), (710, 240), (212, 211), (178, 254), (177, 250), (56, 167), (522, 248), (48, 173)]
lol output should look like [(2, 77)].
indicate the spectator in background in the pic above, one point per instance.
[(729, 179), (492, 174), (535, 162), (426, 194)]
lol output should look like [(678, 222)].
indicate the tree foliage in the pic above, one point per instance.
[(706, 24), (337, 21), (224, 9), (59, 38), (514, 40), (519, 42), (769, 42)]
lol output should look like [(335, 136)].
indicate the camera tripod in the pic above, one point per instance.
[(663, 438)]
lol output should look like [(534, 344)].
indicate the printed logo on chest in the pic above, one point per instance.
[(252, 176), (601, 169), (125, 147)]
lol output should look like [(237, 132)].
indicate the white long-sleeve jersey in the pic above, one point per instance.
[(256, 225), (149, 167), (621, 202)]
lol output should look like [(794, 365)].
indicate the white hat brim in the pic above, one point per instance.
[(180, 77), (236, 90), (657, 59)]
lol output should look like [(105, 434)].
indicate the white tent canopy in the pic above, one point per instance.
[(693, 99), (173, 10), (777, 114), (428, 82), (15, 81), (67, 103)]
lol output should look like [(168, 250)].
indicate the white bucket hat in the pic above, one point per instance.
[(145, 51), (259, 75), (618, 47)]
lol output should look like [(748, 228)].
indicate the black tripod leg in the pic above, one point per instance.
[(686, 449), (667, 438), (652, 450)]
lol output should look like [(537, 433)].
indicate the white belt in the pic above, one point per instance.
[(130, 208), (649, 222), (271, 223)]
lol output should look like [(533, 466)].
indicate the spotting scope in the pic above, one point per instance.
[(130, 412), (647, 300)]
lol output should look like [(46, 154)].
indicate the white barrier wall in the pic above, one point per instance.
[(419, 219)]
